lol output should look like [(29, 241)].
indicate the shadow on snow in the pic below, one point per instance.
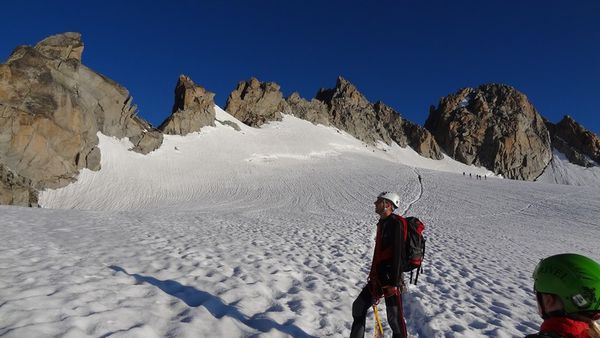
[(194, 298)]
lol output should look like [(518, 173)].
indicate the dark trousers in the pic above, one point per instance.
[(393, 307)]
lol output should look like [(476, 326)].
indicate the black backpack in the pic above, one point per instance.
[(414, 243)]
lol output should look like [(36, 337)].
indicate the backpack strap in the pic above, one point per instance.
[(400, 248), (404, 224)]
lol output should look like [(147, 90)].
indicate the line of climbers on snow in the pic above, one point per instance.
[(479, 177), (567, 286)]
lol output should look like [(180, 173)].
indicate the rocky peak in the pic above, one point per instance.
[(193, 109), (189, 96), (349, 110), (580, 145), (255, 103), (494, 126), (579, 136), (344, 93), (51, 109), (62, 46)]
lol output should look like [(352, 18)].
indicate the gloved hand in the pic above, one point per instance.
[(376, 292)]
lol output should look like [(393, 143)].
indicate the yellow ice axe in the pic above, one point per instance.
[(378, 328)]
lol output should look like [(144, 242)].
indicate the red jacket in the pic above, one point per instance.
[(386, 269), (563, 327)]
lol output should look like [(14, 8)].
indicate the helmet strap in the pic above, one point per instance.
[(585, 316)]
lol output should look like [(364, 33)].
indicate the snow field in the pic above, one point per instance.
[(272, 236)]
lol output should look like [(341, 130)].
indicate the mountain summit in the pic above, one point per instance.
[(52, 107), (494, 126), (194, 108)]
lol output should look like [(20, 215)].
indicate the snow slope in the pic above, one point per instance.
[(269, 233), (218, 160), (562, 171)]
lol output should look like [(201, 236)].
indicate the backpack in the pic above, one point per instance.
[(414, 244)]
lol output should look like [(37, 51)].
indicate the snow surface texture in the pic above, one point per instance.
[(562, 171), (269, 232)]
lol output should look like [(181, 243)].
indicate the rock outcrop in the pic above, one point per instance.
[(193, 109), (350, 111), (67, 46), (581, 146), (16, 190), (406, 133), (494, 126), (314, 111), (255, 103), (51, 108)]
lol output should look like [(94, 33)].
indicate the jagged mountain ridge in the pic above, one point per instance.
[(52, 107), (344, 107)]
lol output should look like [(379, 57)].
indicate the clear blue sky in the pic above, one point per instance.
[(407, 54)]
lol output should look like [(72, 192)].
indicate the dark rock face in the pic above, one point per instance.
[(343, 107), (494, 126), (581, 146), (194, 108), (349, 110), (51, 108), (314, 111), (16, 190), (255, 103), (404, 132)]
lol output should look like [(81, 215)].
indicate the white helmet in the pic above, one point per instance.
[(391, 196)]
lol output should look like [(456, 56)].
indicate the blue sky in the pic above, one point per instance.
[(407, 54)]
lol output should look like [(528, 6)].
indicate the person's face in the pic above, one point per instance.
[(380, 205), (551, 303)]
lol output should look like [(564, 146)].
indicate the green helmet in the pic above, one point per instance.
[(575, 279)]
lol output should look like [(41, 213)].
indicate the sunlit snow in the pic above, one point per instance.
[(269, 232)]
